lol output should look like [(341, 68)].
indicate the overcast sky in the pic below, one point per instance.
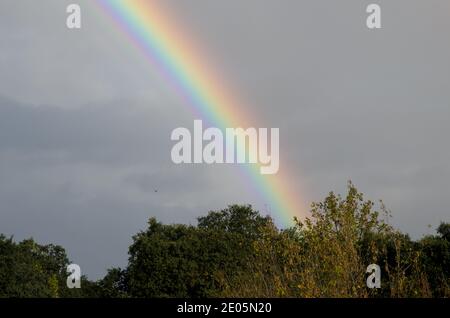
[(85, 120)]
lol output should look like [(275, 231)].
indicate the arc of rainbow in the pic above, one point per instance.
[(164, 44)]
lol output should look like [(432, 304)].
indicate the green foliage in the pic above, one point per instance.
[(28, 269), (444, 231), (113, 285), (188, 261), (435, 258), (236, 252)]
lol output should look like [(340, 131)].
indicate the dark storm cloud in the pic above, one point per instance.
[(118, 131)]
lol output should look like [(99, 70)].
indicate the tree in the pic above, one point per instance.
[(28, 269), (189, 261), (444, 231), (436, 260)]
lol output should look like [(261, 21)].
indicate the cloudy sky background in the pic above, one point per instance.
[(85, 120)]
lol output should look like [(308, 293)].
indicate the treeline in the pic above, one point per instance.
[(237, 252)]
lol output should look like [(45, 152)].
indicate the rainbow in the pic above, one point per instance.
[(152, 30)]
